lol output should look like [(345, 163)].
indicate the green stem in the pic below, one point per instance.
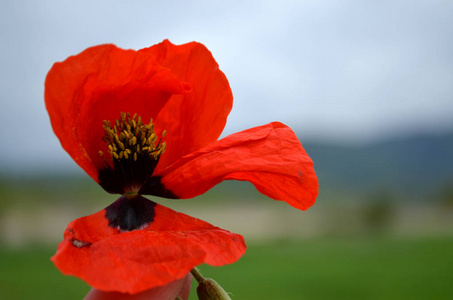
[(196, 273)]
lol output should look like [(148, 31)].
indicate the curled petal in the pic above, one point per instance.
[(135, 261), (270, 156)]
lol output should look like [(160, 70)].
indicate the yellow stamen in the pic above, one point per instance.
[(130, 138)]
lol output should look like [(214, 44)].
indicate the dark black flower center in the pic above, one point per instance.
[(130, 213), (134, 150)]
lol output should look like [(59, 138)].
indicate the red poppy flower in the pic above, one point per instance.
[(146, 122)]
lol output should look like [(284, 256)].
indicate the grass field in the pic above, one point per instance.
[(334, 268)]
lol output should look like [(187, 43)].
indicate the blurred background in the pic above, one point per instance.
[(366, 85)]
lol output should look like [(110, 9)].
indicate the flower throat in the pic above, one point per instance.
[(134, 150)]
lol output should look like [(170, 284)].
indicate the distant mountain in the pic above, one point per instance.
[(414, 166)]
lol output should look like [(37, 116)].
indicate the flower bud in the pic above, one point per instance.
[(209, 289)]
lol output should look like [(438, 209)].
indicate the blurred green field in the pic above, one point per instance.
[(334, 268), (347, 246)]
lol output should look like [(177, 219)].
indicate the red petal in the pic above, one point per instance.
[(270, 156), (97, 85), (196, 119), (139, 260), (178, 288)]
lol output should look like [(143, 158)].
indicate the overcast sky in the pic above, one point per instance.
[(343, 71)]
